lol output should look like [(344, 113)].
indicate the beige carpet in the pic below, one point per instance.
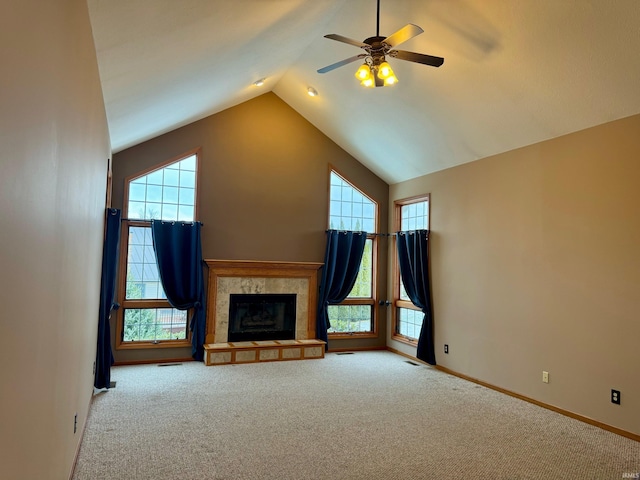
[(369, 415)]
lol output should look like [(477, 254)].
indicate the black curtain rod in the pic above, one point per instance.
[(384, 234), (140, 220)]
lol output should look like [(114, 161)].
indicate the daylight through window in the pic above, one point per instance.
[(350, 209), (410, 214), (167, 193)]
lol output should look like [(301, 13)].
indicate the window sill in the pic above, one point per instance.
[(159, 344), (344, 335), (406, 340)]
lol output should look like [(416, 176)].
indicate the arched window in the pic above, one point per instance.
[(166, 192), (351, 209)]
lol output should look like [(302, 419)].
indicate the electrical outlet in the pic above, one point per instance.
[(446, 348), (545, 376), (615, 396), (75, 423)]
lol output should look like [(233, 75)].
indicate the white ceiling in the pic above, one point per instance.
[(516, 72)]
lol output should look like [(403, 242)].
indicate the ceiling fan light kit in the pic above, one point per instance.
[(367, 74), (376, 71)]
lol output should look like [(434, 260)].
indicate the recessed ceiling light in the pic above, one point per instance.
[(312, 92), (259, 83)]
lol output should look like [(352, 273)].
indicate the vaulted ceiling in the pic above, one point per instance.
[(515, 72)]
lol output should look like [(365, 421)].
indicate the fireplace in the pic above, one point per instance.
[(255, 317), (261, 311), (228, 278)]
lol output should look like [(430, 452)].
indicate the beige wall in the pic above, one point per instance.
[(536, 266), (263, 189), (53, 161)]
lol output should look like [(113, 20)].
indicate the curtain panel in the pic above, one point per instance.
[(110, 251), (413, 258), (178, 250), (341, 265)]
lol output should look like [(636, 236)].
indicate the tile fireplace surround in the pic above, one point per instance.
[(228, 277)]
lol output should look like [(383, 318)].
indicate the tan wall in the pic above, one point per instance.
[(536, 266), (53, 162), (263, 188)]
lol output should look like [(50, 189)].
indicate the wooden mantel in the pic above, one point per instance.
[(219, 269)]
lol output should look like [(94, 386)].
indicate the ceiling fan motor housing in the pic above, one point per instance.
[(377, 49)]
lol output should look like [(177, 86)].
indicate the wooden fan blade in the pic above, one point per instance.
[(333, 66), (417, 58), (350, 41), (405, 33)]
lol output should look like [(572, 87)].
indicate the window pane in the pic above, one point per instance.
[(188, 163), (185, 213), (136, 210), (150, 273), (409, 322), (154, 193), (169, 211), (347, 193), (154, 324), (153, 211), (186, 196), (169, 195), (171, 177), (368, 225), (335, 209), (137, 192), (142, 271), (368, 210), (414, 216), (155, 178), (349, 209), (362, 287), (350, 318), (174, 184), (403, 292), (356, 209), (187, 179)]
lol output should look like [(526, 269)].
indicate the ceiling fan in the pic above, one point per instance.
[(375, 71)]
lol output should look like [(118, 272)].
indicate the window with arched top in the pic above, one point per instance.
[(352, 209), (165, 192)]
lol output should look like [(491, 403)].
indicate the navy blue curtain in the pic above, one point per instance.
[(413, 257), (178, 251), (104, 354), (341, 265)]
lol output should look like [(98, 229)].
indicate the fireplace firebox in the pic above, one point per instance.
[(254, 317)]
